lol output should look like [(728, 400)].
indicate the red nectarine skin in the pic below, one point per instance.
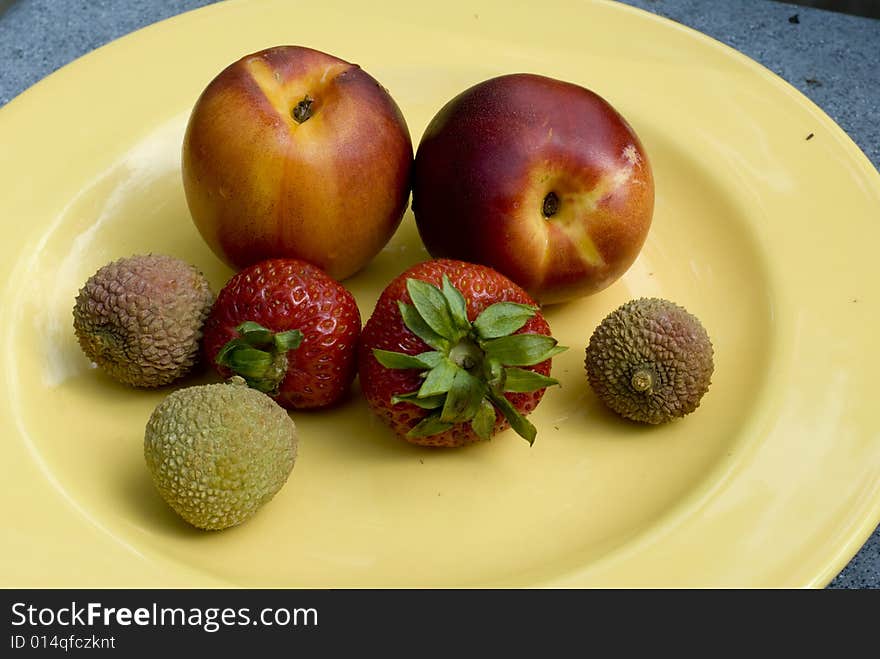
[(262, 180), (538, 178)]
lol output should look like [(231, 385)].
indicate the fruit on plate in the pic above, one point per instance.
[(218, 452), (291, 152), (454, 353), (140, 318), (650, 361), (540, 179), (289, 330)]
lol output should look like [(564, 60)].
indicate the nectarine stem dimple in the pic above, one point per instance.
[(302, 110), (551, 205)]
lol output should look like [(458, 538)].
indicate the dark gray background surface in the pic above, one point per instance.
[(831, 57)]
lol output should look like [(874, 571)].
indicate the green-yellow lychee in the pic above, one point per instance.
[(218, 452)]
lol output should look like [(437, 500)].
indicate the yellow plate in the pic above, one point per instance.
[(770, 238)]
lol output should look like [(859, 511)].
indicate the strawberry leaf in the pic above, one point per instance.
[(494, 372), (259, 355), (522, 349), (389, 359), (463, 398), (519, 380), (430, 425), (430, 403), (517, 421), (502, 318), (484, 420), (439, 379), (254, 334), (457, 305), (223, 353), (416, 324), (252, 364), (289, 340), (431, 304)]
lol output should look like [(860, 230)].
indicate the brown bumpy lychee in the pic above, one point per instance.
[(650, 361), (140, 318)]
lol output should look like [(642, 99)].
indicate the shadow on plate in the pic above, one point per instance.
[(143, 505)]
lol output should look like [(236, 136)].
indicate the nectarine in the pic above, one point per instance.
[(538, 178), (291, 152)]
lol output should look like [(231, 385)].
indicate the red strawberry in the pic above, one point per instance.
[(289, 330), (454, 353)]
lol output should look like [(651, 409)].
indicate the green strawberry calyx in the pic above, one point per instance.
[(472, 364), (259, 355)]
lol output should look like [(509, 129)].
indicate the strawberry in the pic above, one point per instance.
[(289, 330), (454, 353)]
